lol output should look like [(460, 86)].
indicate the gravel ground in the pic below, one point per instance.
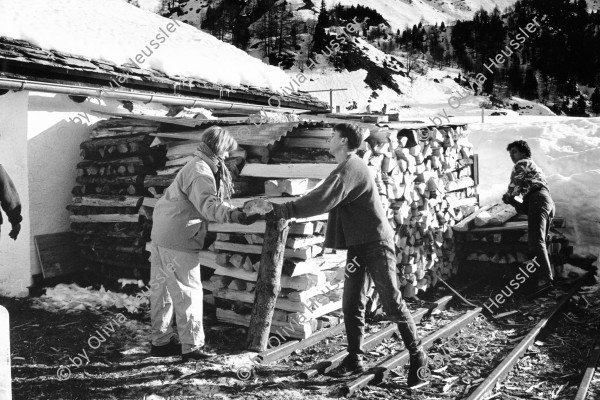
[(119, 367)]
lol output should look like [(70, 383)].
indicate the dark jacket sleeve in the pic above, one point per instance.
[(320, 200), (9, 198)]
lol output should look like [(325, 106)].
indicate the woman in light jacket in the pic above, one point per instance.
[(195, 198)]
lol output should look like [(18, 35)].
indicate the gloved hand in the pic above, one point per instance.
[(280, 211), (16, 228), (506, 198), (240, 217)]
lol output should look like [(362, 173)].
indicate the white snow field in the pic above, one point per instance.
[(113, 30)]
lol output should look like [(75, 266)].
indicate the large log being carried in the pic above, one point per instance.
[(268, 284)]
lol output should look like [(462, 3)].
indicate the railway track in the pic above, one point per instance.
[(588, 375), (438, 342)]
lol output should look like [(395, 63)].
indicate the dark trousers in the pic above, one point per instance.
[(540, 211), (379, 261)]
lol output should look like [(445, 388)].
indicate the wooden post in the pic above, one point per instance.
[(268, 284)]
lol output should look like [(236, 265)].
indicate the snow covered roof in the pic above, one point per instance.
[(113, 43)]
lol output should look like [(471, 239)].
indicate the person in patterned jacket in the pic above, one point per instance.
[(528, 180)]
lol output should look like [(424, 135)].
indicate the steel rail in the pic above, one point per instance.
[(371, 340), (515, 355), (589, 372), (380, 372)]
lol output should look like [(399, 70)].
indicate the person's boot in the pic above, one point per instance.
[(418, 372), (167, 350), (351, 365), (198, 354)]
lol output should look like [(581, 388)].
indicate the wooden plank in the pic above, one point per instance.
[(299, 242), (464, 225), (302, 282), (102, 218), (303, 253), (314, 171), (259, 226), (108, 201), (495, 215), (280, 304), (58, 254), (508, 226), (246, 297)]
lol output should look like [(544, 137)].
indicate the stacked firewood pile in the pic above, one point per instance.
[(427, 179), (425, 175), (110, 193), (494, 240)]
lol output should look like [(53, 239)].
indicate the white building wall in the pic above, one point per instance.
[(40, 135), (53, 153), (15, 269), (56, 127)]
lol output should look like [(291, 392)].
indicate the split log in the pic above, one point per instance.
[(495, 215)]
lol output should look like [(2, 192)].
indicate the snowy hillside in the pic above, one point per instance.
[(115, 31), (399, 13), (403, 13)]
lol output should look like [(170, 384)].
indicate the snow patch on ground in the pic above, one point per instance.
[(73, 298), (112, 30)]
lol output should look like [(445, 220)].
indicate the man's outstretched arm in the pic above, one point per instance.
[(319, 201)]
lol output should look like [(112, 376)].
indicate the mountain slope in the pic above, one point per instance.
[(398, 13), (402, 13)]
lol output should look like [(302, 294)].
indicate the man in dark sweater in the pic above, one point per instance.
[(357, 222), (9, 200)]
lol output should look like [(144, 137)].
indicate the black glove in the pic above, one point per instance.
[(280, 211), (240, 217), (506, 198), (16, 228), (246, 219)]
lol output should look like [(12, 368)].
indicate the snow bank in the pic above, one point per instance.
[(568, 151), (115, 31), (72, 298)]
